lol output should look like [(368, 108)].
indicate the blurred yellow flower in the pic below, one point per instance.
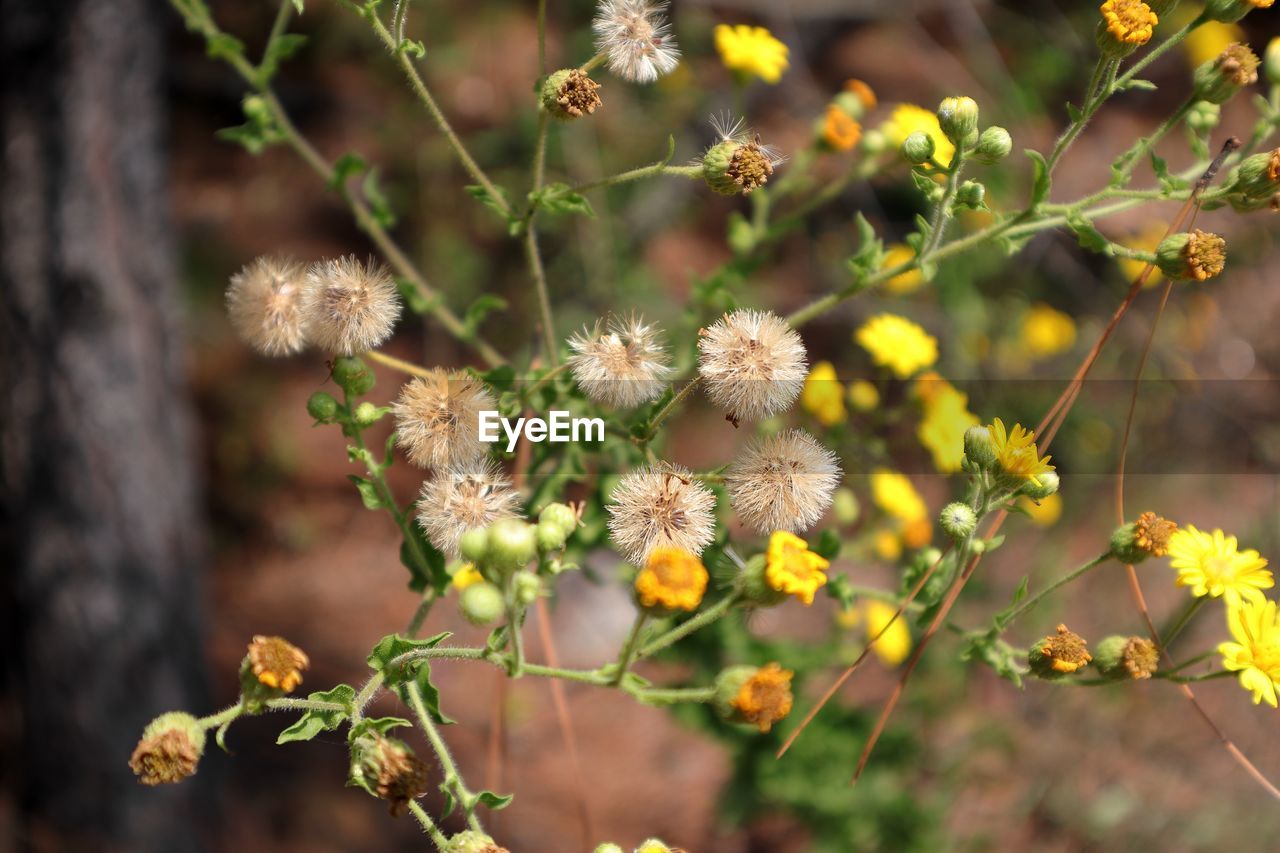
[(1047, 331), (895, 494), (1145, 240), (917, 533), (863, 395), (1045, 513), (906, 119), (1206, 41), (823, 395), (1212, 564), (1255, 654), (898, 344), (894, 255), (840, 131), (876, 616), (887, 545), (466, 576), (943, 424), (751, 52)]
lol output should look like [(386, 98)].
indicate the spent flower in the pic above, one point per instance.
[(438, 418), (350, 306), (752, 364), (462, 497), (264, 302), (621, 364), (636, 39), (660, 505)]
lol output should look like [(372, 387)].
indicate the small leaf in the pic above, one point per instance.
[(1074, 113), (224, 46), (1139, 85), (315, 721), (378, 204), (280, 49), (479, 309), (494, 203), (828, 544), (1041, 181), (561, 198), (349, 165), (413, 48), (1089, 237), (380, 725), (368, 492), (413, 297), (494, 801), (393, 646)]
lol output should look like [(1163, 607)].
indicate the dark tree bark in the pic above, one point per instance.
[(101, 545)]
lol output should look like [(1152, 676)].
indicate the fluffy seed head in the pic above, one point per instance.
[(752, 363), (661, 505), (264, 302), (438, 419), (622, 367), (461, 497), (350, 307), (636, 39), (783, 482)]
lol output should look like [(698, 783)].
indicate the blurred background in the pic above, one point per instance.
[(164, 496)]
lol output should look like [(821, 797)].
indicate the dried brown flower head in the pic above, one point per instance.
[(752, 364), (277, 663), (461, 497)]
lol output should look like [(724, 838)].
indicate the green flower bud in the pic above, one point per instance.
[(1230, 11), (756, 590), (1271, 62), (994, 145), (352, 375), (958, 118), (734, 167), (367, 414), (728, 683), (653, 845), (608, 847), (972, 195), (957, 520), (1126, 658), (569, 93), (322, 407), (512, 543), (1217, 80), (169, 750), (560, 515), (471, 841), (550, 537), (1203, 117), (1043, 486), (473, 545), (1195, 255), (978, 448), (845, 507), (1256, 181), (481, 603), (1058, 654), (526, 587), (874, 142), (918, 147)]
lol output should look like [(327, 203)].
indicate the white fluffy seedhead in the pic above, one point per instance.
[(461, 497), (783, 482), (438, 419), (636, 39), (752, 364), (621, 367), (660, 505), (264, 302), (350, 307)]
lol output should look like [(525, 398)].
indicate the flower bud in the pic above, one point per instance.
[(352, 375), (560, 515), (1059, 654), (387, 768), (844, 506), (972, 195), (1271, 62), (1218, 79), (1043, 486), (550, 537), (918, 148), (169, 750), (367, 414), (958, 118), (957, 520), (760, 696), (978, 447), (1256, 181), (481, 603), (1195, 255), (473, 545), (322, 407), (1203, 117), (756, 589), (734, 166), (994, 145), (526, 587), (1120, 658), (569, 93), (1230, 11), (874, 142), (471, 841), (1147, 537), (1126, 25), (512, 543)]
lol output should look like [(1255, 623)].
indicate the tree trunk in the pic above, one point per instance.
[(101, 541)]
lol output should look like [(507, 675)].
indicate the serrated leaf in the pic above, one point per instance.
[(393, 646), (380, 725), (561, 198), (1041, 182), (368, 492), (315, 721), (1089, 237), (494, 801)]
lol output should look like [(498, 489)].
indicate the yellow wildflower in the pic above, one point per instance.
[(1129, 21), (863, 395), (277, 663), (467, 576), (1045, 513), (1061, 653), (823, 395), (906, 119), (896, 254), (1145, 240), (790, 567), (895, 643), (765, 697), (1207, 41), (1047, 331), (1255, 654), (898, 344), (1016, 452), (840, 131), (672, 578), (895, 494), (751, 52), (862, 91), (917, 533), (887, 545), (946, 417), (1212, 564)]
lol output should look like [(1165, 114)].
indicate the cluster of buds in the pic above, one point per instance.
[(1012, 462), (958, 121)]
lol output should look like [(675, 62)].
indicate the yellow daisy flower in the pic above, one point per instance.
[(863, 395), (1046, 331), (898, 344), (1211, 564), (1016, 452), (765, 697), (792, 568), (823, 395), (751, 52), (1255, 654), (1129, 21), (895, 494), (946, 418), (1046, 512), (673, 579), (277, 663), (1208, 40), (466, 576), (906, 119), (896, 254)]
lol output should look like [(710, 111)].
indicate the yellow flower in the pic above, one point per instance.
[(1207, 41), (1130, 21), (1047, 331), (672, 578), (277, 663), (863, 395), (1145, 240), (466, 576), (894, 255), (898, 344), (946, 417), (1045, 513), (917, 533), (751, 52), (887, 545), (790, 566), (1211, 564), (907, 119), (862, 91), (895, 643), (840, 131), (1256, 652), (1016, 452), (765, 697), (823, 395), (894, 494)]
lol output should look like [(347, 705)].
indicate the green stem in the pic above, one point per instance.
[(1158, 51), (1058, 584), (942, 215), (687, 627), (452, 777), (428, 825), (1092, 101), (1183, 619), (629, 649), (543, 380), (1188, 662), (670, 407), (659, 168), (277, 28), (676, 694), (420, 614), (592, 63), (221, 718), (289, 704), (364, 697), (398, 364), (1149, 142)]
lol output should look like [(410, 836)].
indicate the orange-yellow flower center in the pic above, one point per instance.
[(1130, 21), (791, 568), (765, 697), (277, 663), (671, 578)]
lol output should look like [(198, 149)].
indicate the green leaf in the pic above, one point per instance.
[(223, 46), (494, 801), (741, 235), (1074, 113), (430, 694), (1089, 237), (315, 721), (424, 562), (413, 297), (828, 544), (479, 309), (1001, 619), (924, 183), (380, 725), (494, 203), (561, 198), (1138, 85), (250, 136), (368, 492), (393, 646), (378, 204), (349, 165), (1041, 182), (280, 49), (870, 255), (413, 48)]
